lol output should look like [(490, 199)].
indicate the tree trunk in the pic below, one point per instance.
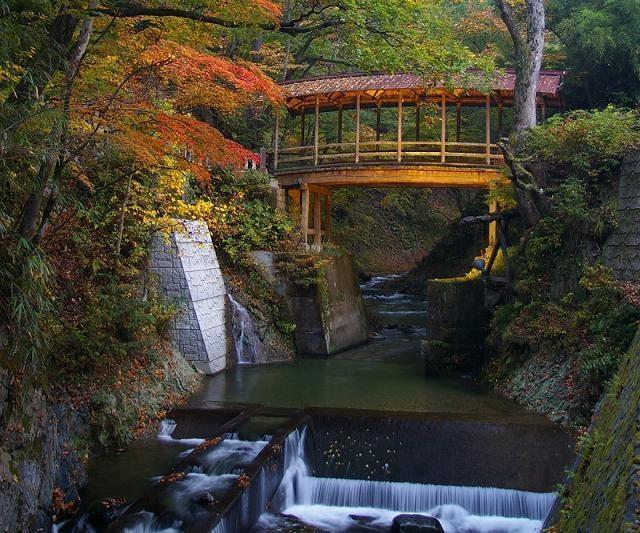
[(49, 60), (528, 43), (528, 67), (31, 211)]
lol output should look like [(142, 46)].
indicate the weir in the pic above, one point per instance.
[(242, 467), (260, 469)]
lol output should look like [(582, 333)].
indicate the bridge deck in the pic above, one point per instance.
[(406, 174)]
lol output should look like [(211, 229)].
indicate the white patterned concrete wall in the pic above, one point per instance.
[(188, 271)]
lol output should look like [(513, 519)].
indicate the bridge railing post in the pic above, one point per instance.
[(357, 129), (443, 130), (399, 126), (316, 133), (488, 129)]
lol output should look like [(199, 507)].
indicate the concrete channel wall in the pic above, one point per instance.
[(188, 273), (329, 315)]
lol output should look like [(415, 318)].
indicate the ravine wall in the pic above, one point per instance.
[(603, 493), (622, 249)]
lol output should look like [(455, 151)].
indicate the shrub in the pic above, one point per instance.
[(588, 144)]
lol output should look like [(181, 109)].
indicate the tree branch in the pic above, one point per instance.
[(508, 16), (136, 10)]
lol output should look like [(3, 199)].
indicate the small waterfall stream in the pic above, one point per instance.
[(340, 504), (248, 346)]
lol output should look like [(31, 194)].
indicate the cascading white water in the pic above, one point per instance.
[(248, 346), (415, 497), (336, 504)]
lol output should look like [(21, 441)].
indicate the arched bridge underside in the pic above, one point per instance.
[(383, 174), (389, 131)]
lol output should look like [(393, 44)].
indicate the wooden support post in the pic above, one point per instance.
[(316, 132), (417, 122), (400, 126), (443, 131), (302, 127), (327, 217), (493, 226), (377, 125), (458, 120), (340, 124), (317, 220), (488, 129), (276, 138), (304, 214), (358, 128)]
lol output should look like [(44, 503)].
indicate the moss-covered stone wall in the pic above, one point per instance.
[(603, 494)]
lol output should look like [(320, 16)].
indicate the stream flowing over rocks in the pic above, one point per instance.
[(268, 448)]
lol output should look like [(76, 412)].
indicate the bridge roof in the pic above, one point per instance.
[(342, 88)]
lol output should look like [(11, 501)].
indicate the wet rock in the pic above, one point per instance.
[(410, 523), (284, 522), (103, 512), (363, 524), (204, 499)]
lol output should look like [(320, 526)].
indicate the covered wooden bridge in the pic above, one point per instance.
[(389, 130)]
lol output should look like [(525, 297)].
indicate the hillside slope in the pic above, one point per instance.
[(391, 230)]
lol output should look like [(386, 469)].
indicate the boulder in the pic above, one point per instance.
[(410, 523)]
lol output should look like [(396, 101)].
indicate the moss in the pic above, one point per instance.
[(601, 496)]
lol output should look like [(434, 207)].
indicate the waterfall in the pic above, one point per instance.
[(337, 504), (416, 498), (248, 346)]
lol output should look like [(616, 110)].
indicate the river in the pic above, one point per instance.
[(383, 375)]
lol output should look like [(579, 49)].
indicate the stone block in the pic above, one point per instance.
[(189, 273), (456, 302), (205, 284), (330, 316), (192, 231)]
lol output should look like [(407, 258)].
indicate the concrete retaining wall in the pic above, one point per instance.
[(457, 322), (189, 273), (330, 316)]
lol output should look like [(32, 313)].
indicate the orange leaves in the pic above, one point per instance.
[(199, 79), (150, 135)]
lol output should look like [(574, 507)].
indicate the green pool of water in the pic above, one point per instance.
[(357, 384)]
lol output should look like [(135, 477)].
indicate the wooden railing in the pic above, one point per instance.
[(477, 154)]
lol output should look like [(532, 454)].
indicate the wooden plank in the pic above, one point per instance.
[(493, 226), (318, 188), (304, 214), (327, 216), (394, 174), (317, 219)]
